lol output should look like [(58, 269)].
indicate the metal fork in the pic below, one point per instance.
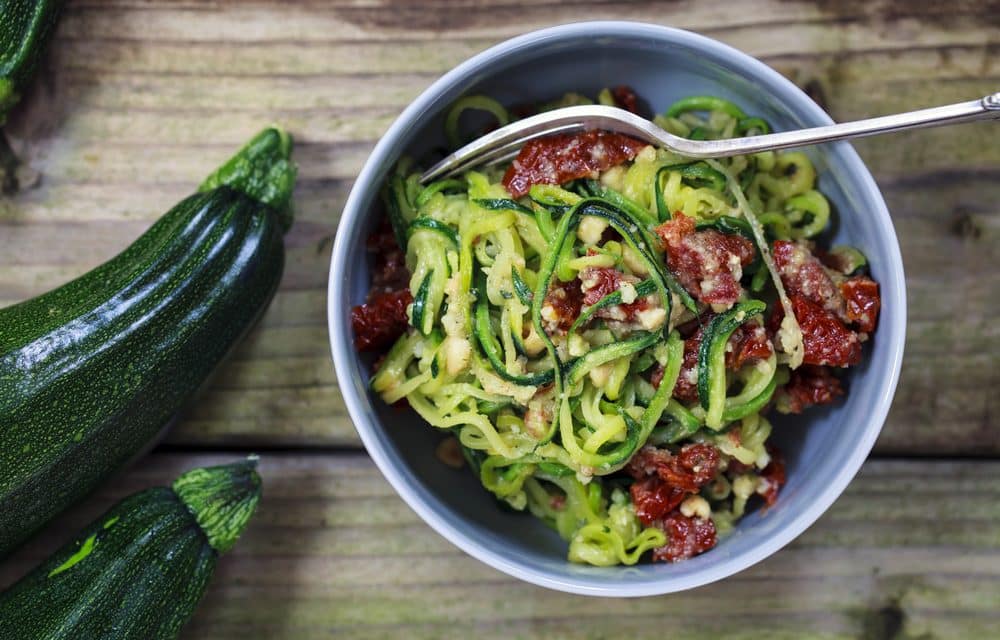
[(504, 143)]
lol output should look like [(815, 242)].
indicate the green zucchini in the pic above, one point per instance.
[(612, 457), (632, 208), (704, 103), (521, 288), (671, 371), (488, 342), (683, 423), (91, 372), (503, 204), (399, 196), (579, 367), (138, 571), (25, 26), (698, 133), (441, 186), (747, 125), (693, 174), (420, 306), (849, 260), (432, 225), (712, 359), (555, 469)]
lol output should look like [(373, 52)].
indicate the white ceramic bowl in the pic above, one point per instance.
[(824, 447)]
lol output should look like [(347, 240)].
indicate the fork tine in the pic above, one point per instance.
[(463, 160)]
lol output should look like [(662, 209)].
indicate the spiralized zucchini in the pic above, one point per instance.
[(547, 417)]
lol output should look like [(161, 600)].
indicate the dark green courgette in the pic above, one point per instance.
[(25, 26), (91, 372), (138, 571)]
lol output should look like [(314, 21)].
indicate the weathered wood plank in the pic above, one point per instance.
[(783, 26), (334, 551)]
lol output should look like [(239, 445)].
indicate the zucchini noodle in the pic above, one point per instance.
[(551, 401)]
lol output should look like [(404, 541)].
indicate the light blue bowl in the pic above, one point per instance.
[(824, 448)]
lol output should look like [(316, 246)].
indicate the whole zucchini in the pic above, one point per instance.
[(25, 26), (91, 372), (138, 571)]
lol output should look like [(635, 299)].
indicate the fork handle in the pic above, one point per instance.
[(984, 108)]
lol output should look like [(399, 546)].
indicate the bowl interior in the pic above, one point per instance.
[(823, 447)]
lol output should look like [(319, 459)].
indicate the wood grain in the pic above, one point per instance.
[(332, 552), (139, 99)]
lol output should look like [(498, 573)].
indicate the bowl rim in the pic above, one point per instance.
[(343, 351)]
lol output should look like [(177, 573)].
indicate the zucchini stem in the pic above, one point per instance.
[(261, 170), (222, 499)]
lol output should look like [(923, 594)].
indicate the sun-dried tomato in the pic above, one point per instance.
[(825, 339), (686, 537), (686, 389), (389, 272), (663, 479), (562, 304), (653, 498), (382, 239), (625, 98), (804, 275), (597, 282), (810, 385), (561, 158), (863, 302), (708, 263), (557, 502), (748, 344), (656, 377), (692, 468), (772, 477), (674, 231), (647, 461), (378, 322), (737, 468)]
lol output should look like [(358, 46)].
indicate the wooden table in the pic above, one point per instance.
[(139, 100)]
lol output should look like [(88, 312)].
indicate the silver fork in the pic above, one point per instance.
[(504, 143)]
